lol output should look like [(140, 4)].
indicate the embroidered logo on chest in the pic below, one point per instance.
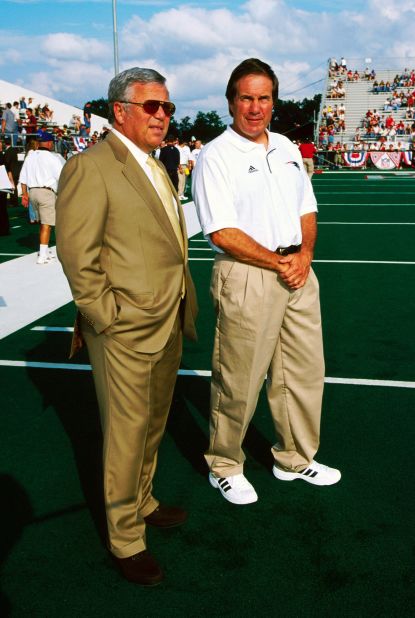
[(252, 169)]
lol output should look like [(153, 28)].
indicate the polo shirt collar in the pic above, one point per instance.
[(246, 145)]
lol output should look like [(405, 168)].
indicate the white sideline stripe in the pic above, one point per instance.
[(31, 291), (362, 262), (16, 254), (199, 249), (361, 223), (328, 261), (376, 204), (195, 240), (207, 373), (380, 192), (54, 329)]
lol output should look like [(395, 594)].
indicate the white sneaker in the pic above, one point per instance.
[(182, 197), (236, 489), (46, 259), (315, 473)]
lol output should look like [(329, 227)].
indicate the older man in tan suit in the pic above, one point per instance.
[(122, 241)]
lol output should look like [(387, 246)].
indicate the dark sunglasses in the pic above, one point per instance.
[(151, 106)]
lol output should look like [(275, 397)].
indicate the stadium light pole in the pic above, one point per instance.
[(114, 23)]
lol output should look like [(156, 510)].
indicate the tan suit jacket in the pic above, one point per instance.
[(119, 251)]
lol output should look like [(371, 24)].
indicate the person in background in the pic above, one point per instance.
[(308, 151), (39, 178), (31, 145), (170, 157), (4, 215)]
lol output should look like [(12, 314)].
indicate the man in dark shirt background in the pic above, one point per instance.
[(13, 165), (170, 157)]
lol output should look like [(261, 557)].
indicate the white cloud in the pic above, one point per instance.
[(72, 46)]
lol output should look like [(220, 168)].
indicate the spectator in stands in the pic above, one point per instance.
[(16, 111), (22, 103), (400, 128), (87, 117), (75, 123), (30, 123), (46, 113), (9, 124)]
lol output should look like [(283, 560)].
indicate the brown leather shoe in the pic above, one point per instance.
[(166, 517), (141, 568)]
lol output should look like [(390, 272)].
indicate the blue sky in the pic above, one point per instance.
[(63, 48)]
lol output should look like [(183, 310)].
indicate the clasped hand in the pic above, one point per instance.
[(295, 269)]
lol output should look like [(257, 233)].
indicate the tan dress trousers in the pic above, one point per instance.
[(134, 392), (264, 330)]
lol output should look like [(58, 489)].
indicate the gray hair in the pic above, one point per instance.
[(120, 84)]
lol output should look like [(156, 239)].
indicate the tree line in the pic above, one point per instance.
[(292, 118)]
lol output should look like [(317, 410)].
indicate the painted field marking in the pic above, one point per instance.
[(362, 223), (15, 254), (207, 373), (376, 204), (329, 261)]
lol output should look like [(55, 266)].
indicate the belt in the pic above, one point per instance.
[(288, 250), (48, 188)]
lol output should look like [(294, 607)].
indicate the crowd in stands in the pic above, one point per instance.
[(338, 73), (377, 125), (23, 119), (379, 129)]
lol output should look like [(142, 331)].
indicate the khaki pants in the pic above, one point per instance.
[(134, 392), (309, 166), (182, 181), (264, 329)]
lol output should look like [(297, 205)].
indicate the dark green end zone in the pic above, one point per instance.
[(301, 551)]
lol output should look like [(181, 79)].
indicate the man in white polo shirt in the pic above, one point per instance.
[(257, 208), (39, 178)]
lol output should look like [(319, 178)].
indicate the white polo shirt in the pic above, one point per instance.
[(42, 168), (263, 192)]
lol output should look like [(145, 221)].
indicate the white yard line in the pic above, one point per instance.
[(206, 373)]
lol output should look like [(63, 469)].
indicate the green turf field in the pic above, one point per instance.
[(300, 551)]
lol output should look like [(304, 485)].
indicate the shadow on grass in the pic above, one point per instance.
[(71, 395), (15, 514)]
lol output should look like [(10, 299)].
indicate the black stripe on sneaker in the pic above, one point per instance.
[(306, 472), (223, 483), (314, 474)]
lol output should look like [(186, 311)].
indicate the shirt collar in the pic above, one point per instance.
[(137, 153), (247, 145)]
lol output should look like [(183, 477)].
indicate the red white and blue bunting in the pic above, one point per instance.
[(407, 157), (355, 159)]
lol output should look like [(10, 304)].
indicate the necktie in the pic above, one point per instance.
[(166, 196)]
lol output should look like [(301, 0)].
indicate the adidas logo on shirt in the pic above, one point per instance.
[(252, 169)]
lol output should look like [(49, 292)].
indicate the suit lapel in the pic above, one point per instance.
[(138, 179)]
